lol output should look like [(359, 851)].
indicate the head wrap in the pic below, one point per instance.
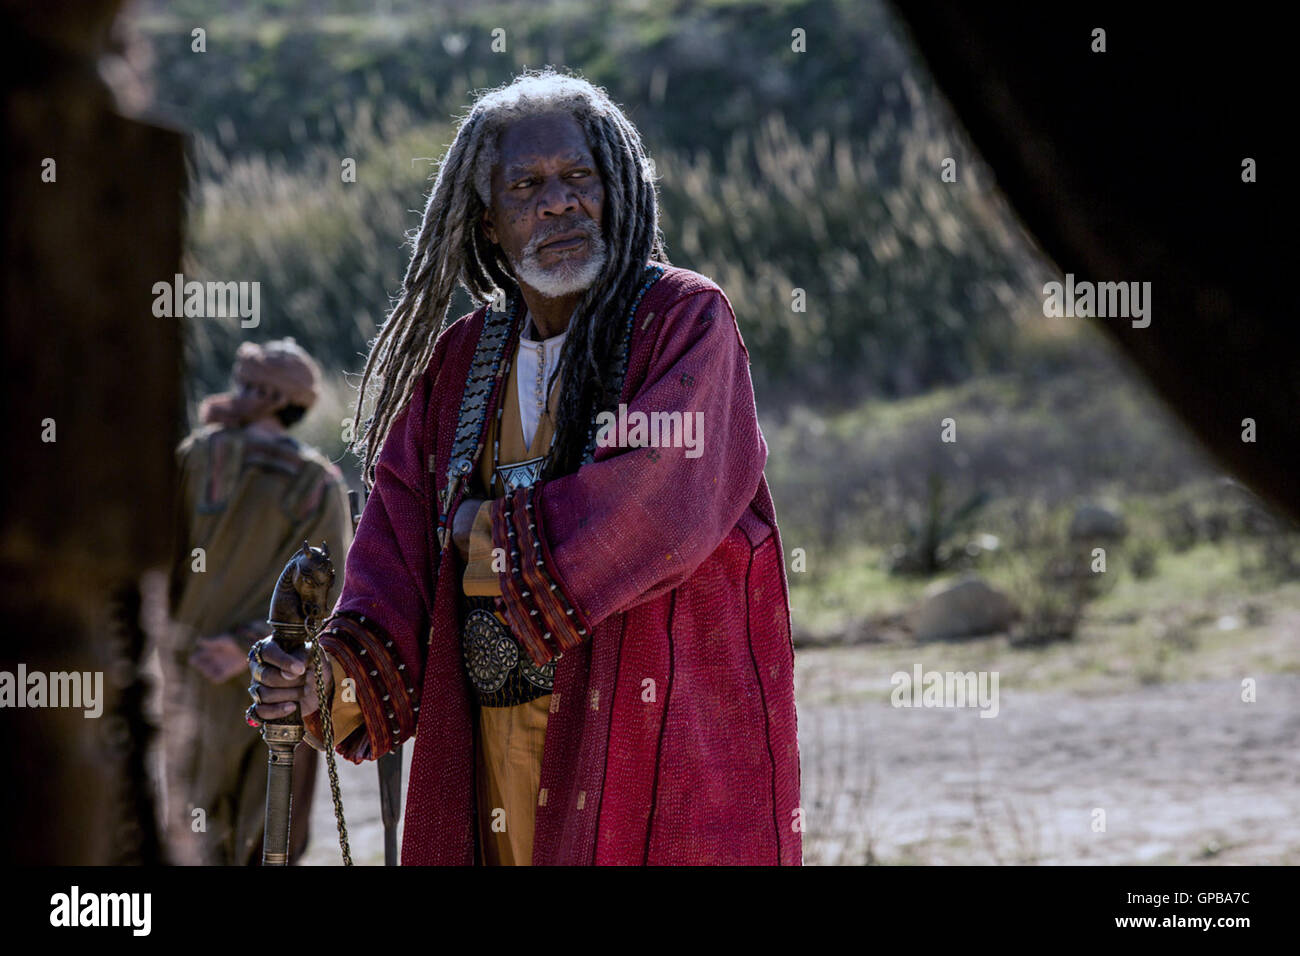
[(285, 372)]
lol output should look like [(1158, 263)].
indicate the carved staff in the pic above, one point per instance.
[(301, 598)]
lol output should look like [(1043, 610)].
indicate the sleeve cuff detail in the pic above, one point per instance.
[(389, 704), (541, 614)]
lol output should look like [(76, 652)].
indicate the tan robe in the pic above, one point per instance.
[(248, 501), (510, 739)]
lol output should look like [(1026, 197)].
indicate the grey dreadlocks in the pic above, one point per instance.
[(451, 248)]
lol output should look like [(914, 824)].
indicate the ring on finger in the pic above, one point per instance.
[(255, 692)]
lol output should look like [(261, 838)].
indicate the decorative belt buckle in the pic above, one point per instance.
[(493, 656), (543, 677), (490, 652)]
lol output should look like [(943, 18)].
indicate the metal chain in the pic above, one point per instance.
[(327, 722)]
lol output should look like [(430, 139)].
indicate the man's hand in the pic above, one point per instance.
[(219, 658), (463, 523), (284, 681)]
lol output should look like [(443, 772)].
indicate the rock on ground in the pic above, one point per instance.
[(965, 608)]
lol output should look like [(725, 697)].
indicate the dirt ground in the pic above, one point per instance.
[(1184, 772)]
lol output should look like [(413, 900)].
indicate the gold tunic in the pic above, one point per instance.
[(510, 739)]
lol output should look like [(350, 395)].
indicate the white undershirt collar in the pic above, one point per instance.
[(529, 362)]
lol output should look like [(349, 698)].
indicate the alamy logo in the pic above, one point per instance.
[(1102, 300), (656, 429), (102, 909), (208, 300), (946, 689), (84, 689)]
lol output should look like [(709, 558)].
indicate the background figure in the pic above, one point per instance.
[(250, 494)]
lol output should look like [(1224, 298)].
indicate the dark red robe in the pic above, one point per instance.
[(660, 578)]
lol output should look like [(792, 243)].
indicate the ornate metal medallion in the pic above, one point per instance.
[(521, 474), (490, 652), (542, 678)]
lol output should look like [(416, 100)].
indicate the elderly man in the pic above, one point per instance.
[(250, 494), (579, 612)]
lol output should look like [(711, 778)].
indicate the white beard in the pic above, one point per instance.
[(565, 277)]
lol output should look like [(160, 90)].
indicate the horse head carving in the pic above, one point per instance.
[(302, 593)]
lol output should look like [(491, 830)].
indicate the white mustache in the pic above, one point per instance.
[(587, 228)]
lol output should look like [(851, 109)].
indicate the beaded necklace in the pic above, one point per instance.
[(522, 473)]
